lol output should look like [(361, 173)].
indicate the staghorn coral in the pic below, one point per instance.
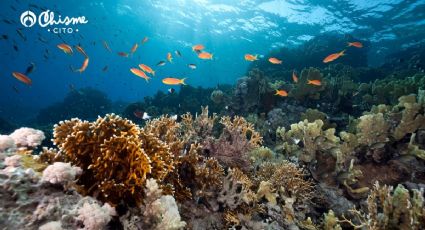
[(115, 155)]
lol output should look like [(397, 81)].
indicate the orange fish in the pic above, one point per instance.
[(274, 60), (147, 69), (314, 82), (84, 66), (333, 56), (123, 54), (170, 58), (173, 81), (134, 48), (79, 49), (281, 93), (205, 55), (198, 47), (140, 73), (355, 44), (22, 77), (65, 48), (250, 57), (145, 39), (294, 77), (106, 46)]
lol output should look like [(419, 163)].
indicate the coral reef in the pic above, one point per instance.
[(27, 137)]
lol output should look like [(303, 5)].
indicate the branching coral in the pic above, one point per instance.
[(237, 139), (115, 155), (390, 208), (372, 129)]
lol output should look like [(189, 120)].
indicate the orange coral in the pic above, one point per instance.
[(116, 156)]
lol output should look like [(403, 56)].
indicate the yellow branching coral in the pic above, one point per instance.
[(116, 156), (390, 208), (372, 129), (167, 130), (198, 128), (412, 118), (288, 178)]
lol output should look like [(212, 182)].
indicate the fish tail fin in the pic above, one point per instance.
[(182, 81), (308, 81), (342, 53), (147, 79), (212, 56), (349, 44), (277, 92), (153, 73)]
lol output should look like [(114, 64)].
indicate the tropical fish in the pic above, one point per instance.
[(178, 53), (198, 47), (123, 54), (21, 77), (140, 73), (147, 69), (4, 36), (79, 49), (333, 56), (134, 48), (169, 57), (105, 68), (21, 34), (15, 47), (355, 44), (160, 63), (65, 48), (314, 82), (250, 57), (137, 113), (173, 81), (294, 77), (146, 116), (192, 66), (145, 39), (105, 44), (171, 90), (30, 68), (84, 66), (205, 55), (281, 93), (274, 60)]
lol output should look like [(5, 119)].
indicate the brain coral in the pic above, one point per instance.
[(116, 156)]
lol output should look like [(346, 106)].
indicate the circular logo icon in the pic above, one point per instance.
[(28, 18)]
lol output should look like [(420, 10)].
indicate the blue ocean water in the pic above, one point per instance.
[(228, 29)]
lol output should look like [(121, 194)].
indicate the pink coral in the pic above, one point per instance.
[(27, 137), (6, 142), (60, 173), (94, 216)]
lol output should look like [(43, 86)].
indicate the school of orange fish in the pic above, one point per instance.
[(199, 49)]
